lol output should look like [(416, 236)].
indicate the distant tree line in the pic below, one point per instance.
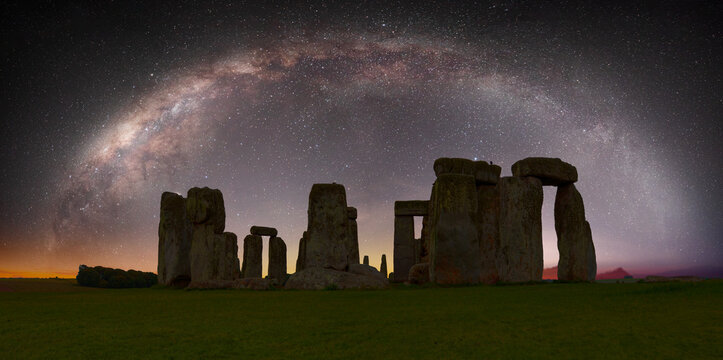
[(104, 277)]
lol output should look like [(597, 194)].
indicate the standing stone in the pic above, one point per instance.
[(352, 236), (574, 238), (227, 254), (383, 267), (366, 260), (423, 249), (551, 171), (454, 240), (488, 222), (520, 248), (253, 247), (204, 253), (174, 241), (328, 228), (300, 259), (486, 174), (404, 246), (204, 206), (277, 258)]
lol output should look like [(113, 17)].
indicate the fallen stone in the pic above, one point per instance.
[(574, 238), (404, 246), (366, 270), (315, 278), (454, 241), (205, 206), (419, 274), (277, 258), (174, 242), (383, 266), (520, 249), (551, 171), (264, 231), (253, 248), (411, 208), (328, 228)]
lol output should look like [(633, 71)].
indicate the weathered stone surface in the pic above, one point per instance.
[(383, 266), (404, 246), (328, 228), (574, 238), (227, 250), (366, 260), (551, 171), (424, 245), (411, 208), (300, 262), (520, 248), (353, 240), (419, 274), (454, 241), (351, 212), (174, 242), (263, 231), (454, 166), (316, 278), (205, 206), (204, 253), (253, 248), (277, 258), (486, 173), (366, 270), (488, 221)]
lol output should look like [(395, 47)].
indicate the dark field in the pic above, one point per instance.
[(58, 319)]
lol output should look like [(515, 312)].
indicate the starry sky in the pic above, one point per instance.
[(105, 106)]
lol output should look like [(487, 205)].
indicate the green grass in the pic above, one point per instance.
[(57, 319)]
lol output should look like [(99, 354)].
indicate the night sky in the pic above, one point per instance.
[(105, 106)]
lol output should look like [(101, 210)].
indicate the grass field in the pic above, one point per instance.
[(56, 319)]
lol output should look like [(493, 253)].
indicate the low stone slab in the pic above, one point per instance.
[(411, 208), (315, 278), (263, 231), (551, 171), (366, 270)]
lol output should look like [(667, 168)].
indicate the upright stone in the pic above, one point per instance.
[(551, 171), (574, 238), (205, 209), (383, 266), (352, 236), (366, 260), (424, 245), (253, 247), (277, 258), (454, 240), (227, 254), (174, 241), (488, 222), (404, 246), (204, 206), (300, 260), (520, 249), (328, 228)]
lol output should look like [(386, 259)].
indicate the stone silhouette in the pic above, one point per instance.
[(277, 258), (352, 237), (263, 231), (383, 266), (253, 250), (479, 227), (366, 260), (174, 241)]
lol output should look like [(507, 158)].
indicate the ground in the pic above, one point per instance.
[(58, 319)]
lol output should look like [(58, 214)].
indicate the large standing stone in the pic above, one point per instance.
[(263, 231), (328, 228), (574, 238), (488, 222), (174, 241), (352, 236), (520, 251), (454, 240), (404, 246), (277, 258), (227, 252), (424, 245), (551, 171), (204, 206), (383, 266), (253, 247), (300, 259)]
